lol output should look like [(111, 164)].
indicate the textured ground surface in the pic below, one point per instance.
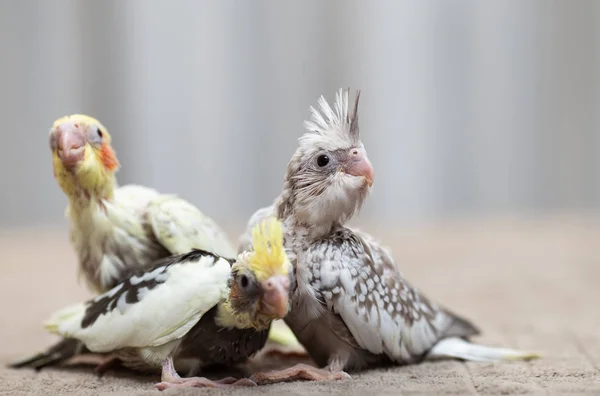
[(527, 284)]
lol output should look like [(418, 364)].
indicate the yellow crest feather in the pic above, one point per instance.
[(268, 257)]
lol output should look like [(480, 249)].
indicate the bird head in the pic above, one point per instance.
[(261, 278), (329, 175), (82, 156)]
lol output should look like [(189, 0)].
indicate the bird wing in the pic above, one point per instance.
[(180, 227), (148, 309), (358, 280)]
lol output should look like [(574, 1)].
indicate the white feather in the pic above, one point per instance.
[(103, 235), (458, 348), (113, 238), (376, 330), (179, 226), (327, 110), (329, 122), (165, 314)]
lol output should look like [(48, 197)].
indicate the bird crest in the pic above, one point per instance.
[(340, 121), (268, 257)]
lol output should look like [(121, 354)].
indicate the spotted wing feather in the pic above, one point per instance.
[(357, 280)]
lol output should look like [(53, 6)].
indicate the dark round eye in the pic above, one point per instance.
[(244, 281), (322, 160), (99, 132)]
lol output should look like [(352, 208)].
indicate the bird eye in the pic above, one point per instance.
[(244, 281), (322, 160), (99, 132)]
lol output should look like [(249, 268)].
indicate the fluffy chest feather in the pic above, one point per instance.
[(113, 238)]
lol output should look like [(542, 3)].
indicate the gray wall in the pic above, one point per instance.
[(468, 107)]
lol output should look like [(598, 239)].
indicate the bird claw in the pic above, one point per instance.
[(201, 382), (299, 372)]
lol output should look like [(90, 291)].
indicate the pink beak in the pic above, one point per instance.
[(359, 165), (276, 295), (70, 144)]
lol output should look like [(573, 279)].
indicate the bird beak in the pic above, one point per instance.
[(70, 144), (276, 295), (358, 164)]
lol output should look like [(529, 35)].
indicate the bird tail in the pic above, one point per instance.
[(60, 352), (62, 322), (459, 348), (282, 335), (65, 320)]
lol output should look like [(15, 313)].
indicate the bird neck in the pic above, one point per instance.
[(284, 204), (83, 200), (296, 226)]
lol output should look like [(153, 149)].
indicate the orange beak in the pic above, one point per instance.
[(70, 144), (275, 296), (358, 164)]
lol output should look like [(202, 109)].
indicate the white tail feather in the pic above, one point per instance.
[(454, 347), (66, 320)]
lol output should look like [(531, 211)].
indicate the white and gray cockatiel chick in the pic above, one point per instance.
[(196, 305), (117, 230), (351, 308)]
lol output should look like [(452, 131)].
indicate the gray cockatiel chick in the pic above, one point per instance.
[(117, 230), (352, 309)]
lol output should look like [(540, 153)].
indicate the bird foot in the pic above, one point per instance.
[(201, 382), (298, 372)]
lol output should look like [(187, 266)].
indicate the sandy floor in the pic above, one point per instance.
[(527, 284)]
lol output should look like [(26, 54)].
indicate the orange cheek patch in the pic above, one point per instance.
[(107, 155)]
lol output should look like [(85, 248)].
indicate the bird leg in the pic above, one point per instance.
[(110, 362), (298, 372), (170, 379)]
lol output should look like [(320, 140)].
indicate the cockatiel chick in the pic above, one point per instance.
[(352, 309), (191, 305), (117, 230)]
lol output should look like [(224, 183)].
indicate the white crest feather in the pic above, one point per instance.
[(339, 121)]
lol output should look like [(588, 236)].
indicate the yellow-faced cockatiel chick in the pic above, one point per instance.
[(117, 230), (196, 305), (351, 307)]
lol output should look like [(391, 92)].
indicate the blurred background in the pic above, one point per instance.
[(468, 108), (481, 119)]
